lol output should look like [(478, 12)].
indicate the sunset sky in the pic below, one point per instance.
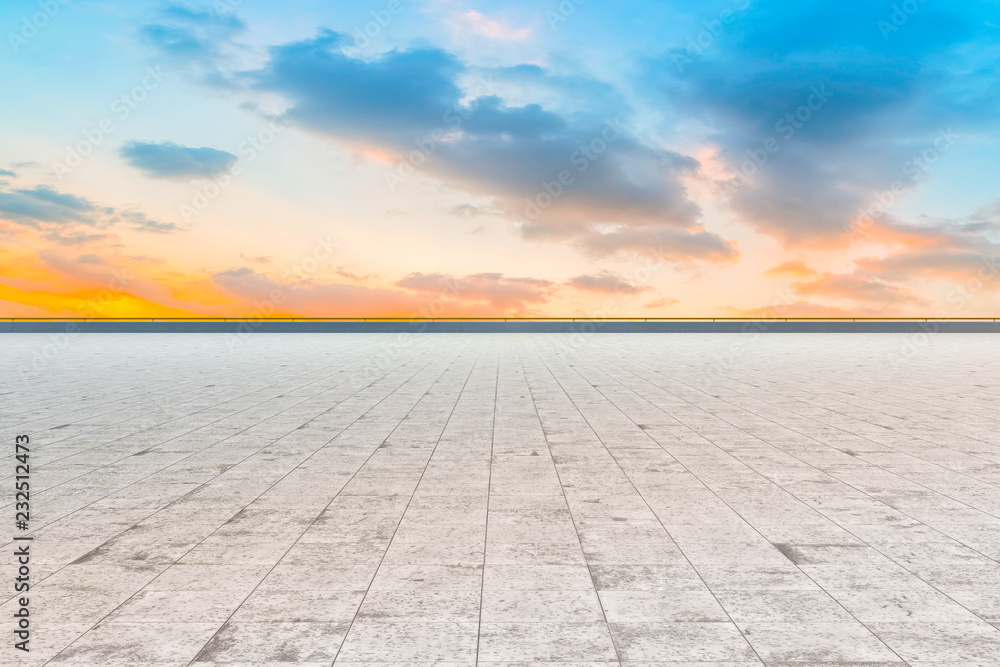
[(421, 158)]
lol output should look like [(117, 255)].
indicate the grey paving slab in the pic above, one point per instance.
[(508, 500)]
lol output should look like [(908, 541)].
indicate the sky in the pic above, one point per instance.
[(543, 158)]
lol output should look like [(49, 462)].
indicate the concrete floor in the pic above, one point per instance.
[(453, 500)]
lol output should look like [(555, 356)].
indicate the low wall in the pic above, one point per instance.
[(511, 326)]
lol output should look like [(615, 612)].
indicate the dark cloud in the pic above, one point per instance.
[(68, 219), (175, 161), (663, 244), (605, 282), (887, 98), (418, 105), (40, 205), (7, 172)]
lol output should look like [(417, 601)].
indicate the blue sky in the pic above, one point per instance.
[(484, 158)]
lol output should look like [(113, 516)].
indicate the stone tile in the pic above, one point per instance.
[(423, 606), (536, 577), (816, 642), (903, 607), (752, 607), (642, 643), (545, 642), (266, 605), (281, 642), (154, 606), (940, 642), (541, 607), (403, 641), (200, 577), (138, 642), (661, 607), (647, 578)]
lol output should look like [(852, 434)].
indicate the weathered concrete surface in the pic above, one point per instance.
[(507, 500)]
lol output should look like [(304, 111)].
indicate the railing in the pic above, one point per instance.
[(499, 319)]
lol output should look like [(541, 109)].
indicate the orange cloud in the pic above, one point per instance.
[(660, 303), (795, 269), (854, 287)]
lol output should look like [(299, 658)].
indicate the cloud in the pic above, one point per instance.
[(143, 223), (604, 282), (990, 212), (174, 161), (311, 298), (7, 172), (76, 238), (469, 136), (479, 24), (259, 259), (493, 288), (861, 289), (938, 249), (664, 244), (949, 264), (883, 103), (795, 269), (432, 295), (69, 219), (196, 40), (470, 211), (350, 275), (42, 204), (660, 303)]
